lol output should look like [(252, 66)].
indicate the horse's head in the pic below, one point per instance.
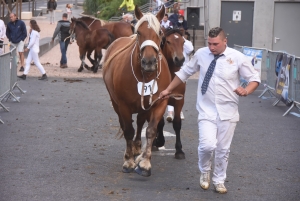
[(172, 45), (72, 25), (148, 32)]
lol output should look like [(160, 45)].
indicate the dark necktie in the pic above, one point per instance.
[(209, 73)]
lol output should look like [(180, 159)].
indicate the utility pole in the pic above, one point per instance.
[(75, 4)]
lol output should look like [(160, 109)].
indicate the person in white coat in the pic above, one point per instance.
[(2, 35), (188, 48), (34, 49)]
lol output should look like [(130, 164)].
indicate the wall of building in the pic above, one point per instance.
[(262, 22)]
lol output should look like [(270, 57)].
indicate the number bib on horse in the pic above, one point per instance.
[(147, 88)]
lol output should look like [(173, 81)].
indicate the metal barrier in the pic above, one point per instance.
[(284, 86), (8, 75)]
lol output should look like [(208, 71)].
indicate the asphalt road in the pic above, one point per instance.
[(59, 143)]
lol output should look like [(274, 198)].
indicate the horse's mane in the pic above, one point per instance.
[(83, 24), (152, 20), (172, 31), (93, 18)]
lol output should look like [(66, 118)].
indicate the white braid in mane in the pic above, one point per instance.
[(152, 20)]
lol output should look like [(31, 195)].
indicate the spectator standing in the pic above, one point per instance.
[(174, 17), (69, 10), (62, 31), (34, 49), (182, 23), (188, 48), (2, 35), (217, 102), (166, 23), (129, 5), (16, 33), (51, 6), (158, 5)]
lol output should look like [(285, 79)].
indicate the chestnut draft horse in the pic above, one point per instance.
[(88, 41), (135, 73), (172, 48), (117, 29)]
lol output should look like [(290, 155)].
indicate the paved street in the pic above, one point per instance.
[(59, 143)]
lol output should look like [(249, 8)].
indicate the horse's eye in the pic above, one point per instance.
[(168, 42)]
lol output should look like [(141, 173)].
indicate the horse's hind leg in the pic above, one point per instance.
[(177, 127), (90, 58), (98, 56)]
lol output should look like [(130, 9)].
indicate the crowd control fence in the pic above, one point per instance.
[(280, 75), (8, 76)]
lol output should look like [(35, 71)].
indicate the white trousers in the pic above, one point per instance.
[(215, 137), (52, 16), (33, 55)]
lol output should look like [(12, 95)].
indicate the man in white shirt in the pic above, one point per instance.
[(2, 35), (217, 101)]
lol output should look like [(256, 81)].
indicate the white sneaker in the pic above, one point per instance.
[(205, 180), (170, 117), (220, 188), (181, 116)]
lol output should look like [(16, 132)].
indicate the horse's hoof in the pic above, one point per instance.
[(100, 66), (127, 170), (158, 142), (142, 172), (180, 155), (79, 70)]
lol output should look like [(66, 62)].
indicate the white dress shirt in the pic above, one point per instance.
[(166, 24), (34, 41), (2, 29), (187, 50), (220, 98)]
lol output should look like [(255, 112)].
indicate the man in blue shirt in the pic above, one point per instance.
[(16, 33)]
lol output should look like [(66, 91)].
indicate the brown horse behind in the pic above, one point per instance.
[(172, 48), (117, 29), (133, 61), (89, 41)]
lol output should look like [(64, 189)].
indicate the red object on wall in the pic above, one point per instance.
[(181, 12)]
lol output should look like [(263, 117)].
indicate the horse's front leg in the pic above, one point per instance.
[(143, 160), (82, 57), (159, 141), (125, 118), (137, 143), (98, 56), (90, 58), (177, 127)]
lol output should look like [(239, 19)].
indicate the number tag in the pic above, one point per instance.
[(147, 88)]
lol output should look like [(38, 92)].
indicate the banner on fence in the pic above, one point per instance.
[(255, 56), (282, 69)]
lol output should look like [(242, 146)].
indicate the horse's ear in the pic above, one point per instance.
[(138, 13), (160, 15)]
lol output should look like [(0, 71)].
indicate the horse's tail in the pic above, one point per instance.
[(117, 52)]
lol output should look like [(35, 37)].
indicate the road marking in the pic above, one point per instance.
[(166, 133)]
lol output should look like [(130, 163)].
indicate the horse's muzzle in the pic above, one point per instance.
[(179, 62), (149, 65)]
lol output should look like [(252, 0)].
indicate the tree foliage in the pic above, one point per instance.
[(105, 9)]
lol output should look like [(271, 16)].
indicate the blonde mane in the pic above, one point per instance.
[(152, 20)]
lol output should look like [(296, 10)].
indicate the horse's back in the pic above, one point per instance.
[(119, 29)]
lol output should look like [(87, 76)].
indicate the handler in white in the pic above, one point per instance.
[(34, 50), (2, 35), (217, 101)]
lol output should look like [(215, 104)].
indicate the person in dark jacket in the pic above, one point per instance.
[(174, 17), (62, 31), (182, 23), (16, 33), (51, 6)]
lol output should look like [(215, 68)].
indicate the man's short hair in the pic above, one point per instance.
[(216, 31), (65, 15)]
